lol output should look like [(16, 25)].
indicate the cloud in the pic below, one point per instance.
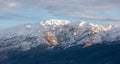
[(10, 4), (98, 18), (65, 5), (4, 17), (73, 8), (7, 4), (113, 23), (14, 16)]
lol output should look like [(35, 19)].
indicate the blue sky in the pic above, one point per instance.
[(15, 12)]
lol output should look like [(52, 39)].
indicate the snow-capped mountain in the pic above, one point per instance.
[(55, 32), (54, 22)]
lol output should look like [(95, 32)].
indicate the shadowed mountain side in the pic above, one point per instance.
[(95, 54)]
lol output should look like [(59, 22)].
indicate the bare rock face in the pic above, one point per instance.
[(91, 32), (50, 38), (75, 30), (88, 43)]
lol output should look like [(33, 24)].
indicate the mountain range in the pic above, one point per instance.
[(56, 35)]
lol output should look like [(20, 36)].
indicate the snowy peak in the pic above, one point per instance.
[(94, 27), (28, 26), (54, 22), (83, 23)]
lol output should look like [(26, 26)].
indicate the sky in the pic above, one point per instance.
[(16, 12)]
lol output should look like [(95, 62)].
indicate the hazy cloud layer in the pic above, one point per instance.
[(74, 8), (14, 16)]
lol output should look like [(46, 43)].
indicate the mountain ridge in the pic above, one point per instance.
[(56, 33)]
